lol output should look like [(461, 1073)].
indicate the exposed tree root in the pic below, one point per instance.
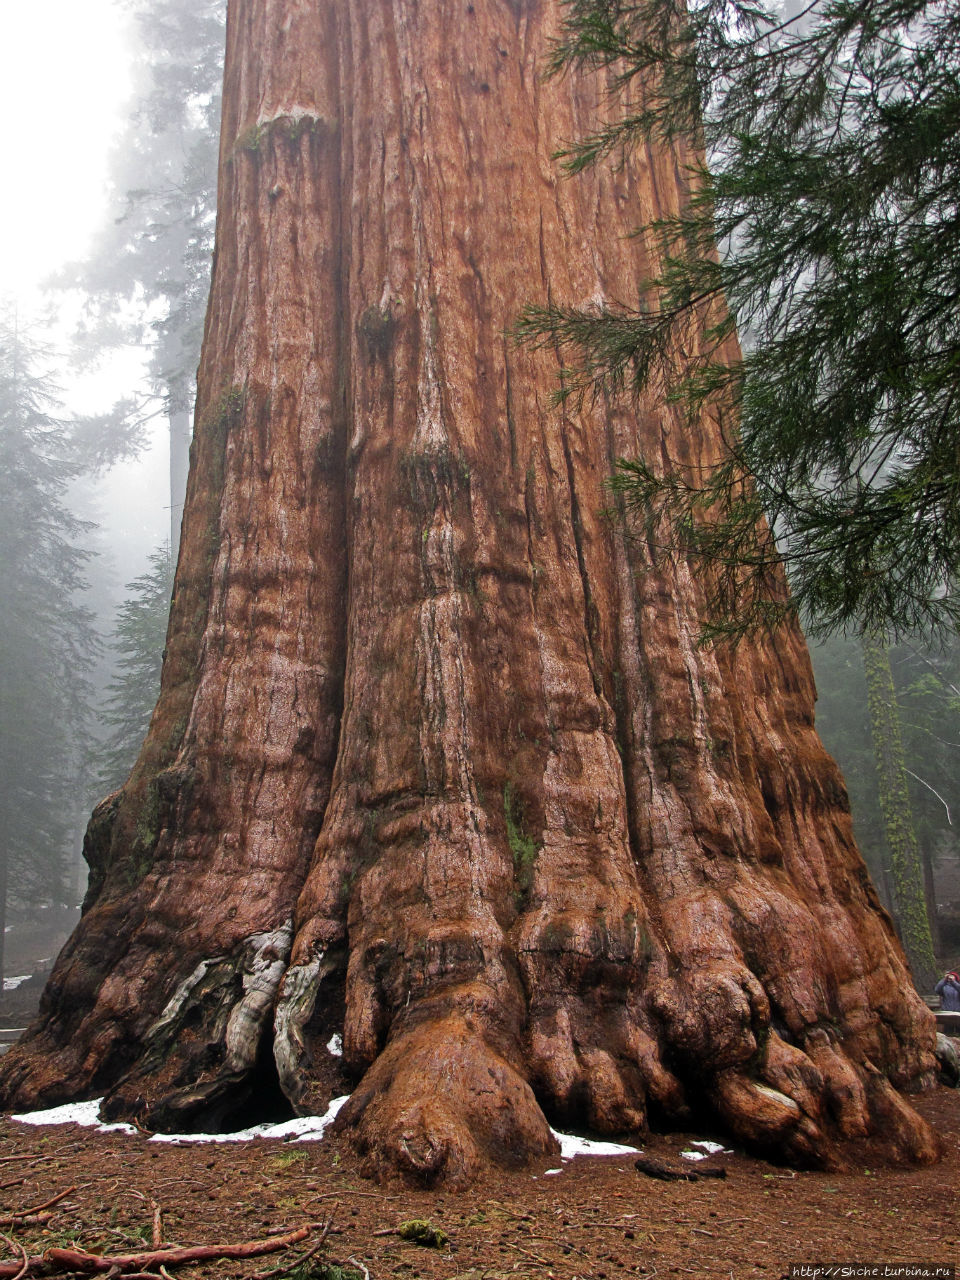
[(439, 1103)]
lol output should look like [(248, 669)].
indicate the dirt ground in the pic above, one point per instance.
[(598, 1218)]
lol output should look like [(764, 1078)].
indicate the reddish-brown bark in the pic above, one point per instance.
[(438, 762)]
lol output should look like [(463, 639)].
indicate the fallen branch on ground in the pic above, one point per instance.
[(24, 1260), (304, 1257), (125, 1263), (47, 1204), (671, 1173)]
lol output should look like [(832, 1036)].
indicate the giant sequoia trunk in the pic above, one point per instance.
[(438, 764)]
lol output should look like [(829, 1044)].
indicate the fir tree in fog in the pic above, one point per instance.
[(149, 274), (927, 690), (47, 638), (137, 642)]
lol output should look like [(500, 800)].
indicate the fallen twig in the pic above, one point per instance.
[(18, 1248), (80, 1260), (14, 1182), (298, 1262), (47, 1204), (156, 1237), (625, 1223), (13, 1270), (346, 1191), (125, 1236), (544, 1262), (26, 1220), (357, 1263)]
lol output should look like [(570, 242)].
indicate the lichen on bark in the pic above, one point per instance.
[(546, 857)]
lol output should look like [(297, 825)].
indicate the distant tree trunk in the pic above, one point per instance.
[(438, 763), (930, 894), (908, 873)]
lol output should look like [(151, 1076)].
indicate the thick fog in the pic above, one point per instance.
[(68, 75), (85, 477)]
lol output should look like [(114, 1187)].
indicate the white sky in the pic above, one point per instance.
[(64, 86), (63, 83)]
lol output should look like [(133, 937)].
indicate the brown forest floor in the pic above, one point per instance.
[(598, 1218)]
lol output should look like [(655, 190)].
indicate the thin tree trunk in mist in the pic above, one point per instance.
[(438, 763), (930, 894), (909, 887)]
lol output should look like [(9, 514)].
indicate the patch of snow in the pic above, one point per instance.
[(547, 1173), (335, 1045), (302, 1129), (711, 1148), (11, 984), (571, 1146), (86, 1114), (694, 1155)]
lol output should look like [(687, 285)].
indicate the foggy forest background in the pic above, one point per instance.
[(81, 642)]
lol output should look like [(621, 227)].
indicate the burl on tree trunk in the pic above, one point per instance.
[(438, 764)]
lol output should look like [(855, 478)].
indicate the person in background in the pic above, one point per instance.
[(948, 989)]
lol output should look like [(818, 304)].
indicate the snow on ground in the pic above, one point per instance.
[(302, 1129), (707, 1148), (11, 984), (82, 1113), (571, 1146)]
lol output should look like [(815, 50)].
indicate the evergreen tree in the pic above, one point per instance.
[(47, 638), (138, 639), (830, 184), (843, 722), (926, 705)]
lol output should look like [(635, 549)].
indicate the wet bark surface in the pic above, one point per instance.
[(439, 767)]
